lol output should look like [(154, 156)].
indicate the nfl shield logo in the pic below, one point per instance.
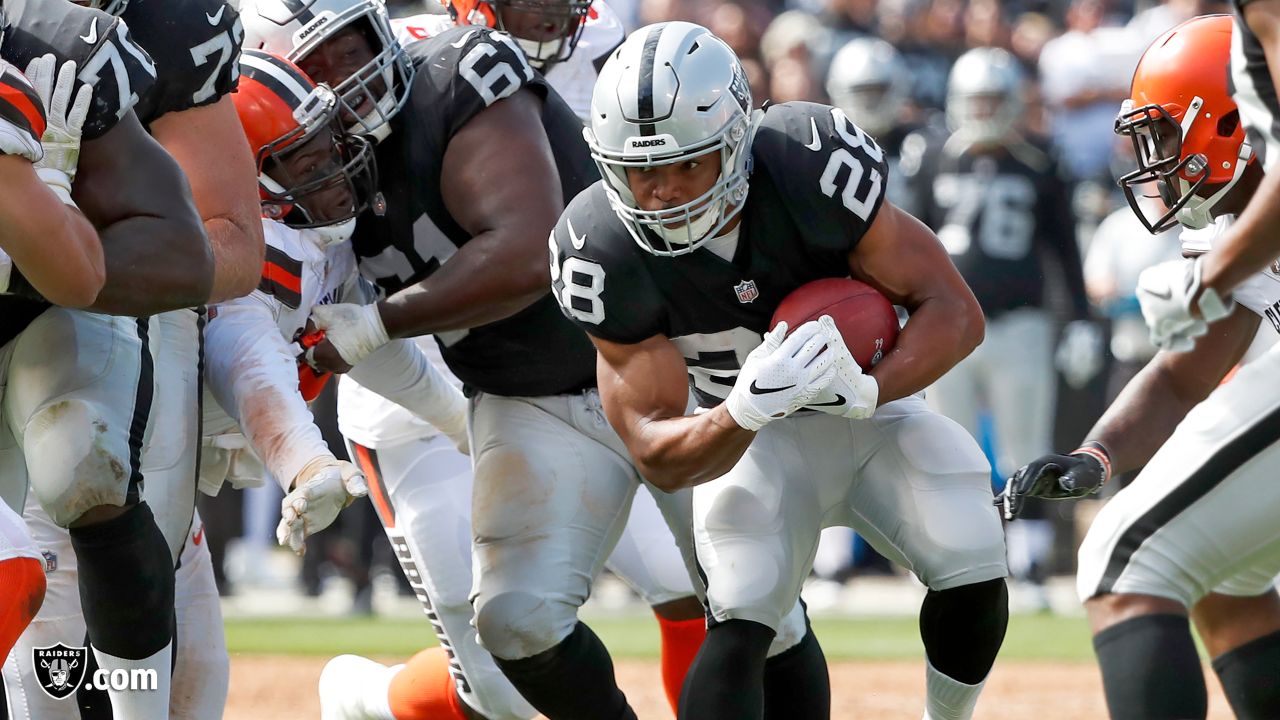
[(746, 291), (59, 668)]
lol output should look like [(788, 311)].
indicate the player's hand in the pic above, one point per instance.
[(783, 374), (352, 332), (1166, 293), (1079, 355), (851, 393), (321, 489), (1056, 477), (65, 122)]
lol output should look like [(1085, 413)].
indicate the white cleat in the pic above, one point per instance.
[(349, 682)]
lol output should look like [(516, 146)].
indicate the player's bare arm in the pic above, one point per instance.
[(1254, 240), (1149, 408), (137, 197), (644, 390), (210, 147), (903, 259), (503, 268), (53, 245)]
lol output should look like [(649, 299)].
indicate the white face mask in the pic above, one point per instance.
[(330, 235)]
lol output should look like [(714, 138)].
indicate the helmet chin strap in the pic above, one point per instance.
[(329, 235), (1197, 213)]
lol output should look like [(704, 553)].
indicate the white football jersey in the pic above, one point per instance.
[(1260, 293), (574, 79)]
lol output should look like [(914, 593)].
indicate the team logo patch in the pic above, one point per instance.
[(747, 291), (59, 668)]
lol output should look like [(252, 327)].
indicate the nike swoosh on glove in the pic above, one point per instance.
[(783, 374), (1165, 293), (65, 122), (321, 489), (851, 393), (354, 330)]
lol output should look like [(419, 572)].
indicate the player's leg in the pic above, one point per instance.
[(648, 560), (923, 499), (552, 492), (1200, 512), (172, 453), (757, 530), (202, 668), (421, 490), (1240, 626), (80, 410)]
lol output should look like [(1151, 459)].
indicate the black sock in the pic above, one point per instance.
[(126, 584), (571, 681), (1150, 669), (796, 683), (726, 679), (963, 628), (1250, 676)]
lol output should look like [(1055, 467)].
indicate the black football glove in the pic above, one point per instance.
[(1057, 477)]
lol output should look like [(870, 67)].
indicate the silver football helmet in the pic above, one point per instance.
[(294, 28), (984, 96), (870, 83), (672, 91)]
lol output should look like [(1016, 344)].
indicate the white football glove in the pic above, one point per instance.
[(782, 375), (321, 489), (65, 122), (851, 393), (1165, 291), (354, 330), (1079, 355)]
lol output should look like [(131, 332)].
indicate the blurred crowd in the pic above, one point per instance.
[(889, 65)]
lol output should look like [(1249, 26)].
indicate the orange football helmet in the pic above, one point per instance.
[(547, 30), (1184, 126), (284, 113)]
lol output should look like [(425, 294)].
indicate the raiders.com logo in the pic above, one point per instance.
[(59, 669)]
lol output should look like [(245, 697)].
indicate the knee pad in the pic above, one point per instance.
[(76, 460), (514, 625)]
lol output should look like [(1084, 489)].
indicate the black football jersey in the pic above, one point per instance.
[(196, 48), (817, 182), (1003, 216), (460, 72), (106, 56), (1253, 90)]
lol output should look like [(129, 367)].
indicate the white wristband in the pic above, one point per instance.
[(59, 182)]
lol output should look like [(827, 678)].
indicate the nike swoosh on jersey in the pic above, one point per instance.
[(461, 41), (816, 144), (757, 390), (215, 18), (578, 241), (92, 36), (838, 401)]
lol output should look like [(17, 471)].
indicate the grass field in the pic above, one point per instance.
[(1031, 638)]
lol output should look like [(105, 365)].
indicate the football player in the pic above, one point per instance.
[(998, 201), (195, 44), (503, 151), (645, 557), (1179, 301), (46, 238), (707, 216), (1195, 532), (79, 385)]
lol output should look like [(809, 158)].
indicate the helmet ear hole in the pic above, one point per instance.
[(1227, 124)]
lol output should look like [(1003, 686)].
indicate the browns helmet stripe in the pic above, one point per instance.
[(19, 103), (281, 77)]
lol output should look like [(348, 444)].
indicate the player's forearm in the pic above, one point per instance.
[(154, 264), (400, 372), (1251, 244), (479, 285), (238, 252), (931, 343), (65, 266), (1142, 418), (681, 452)]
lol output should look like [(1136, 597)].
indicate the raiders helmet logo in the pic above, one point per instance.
[(59, 669)]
